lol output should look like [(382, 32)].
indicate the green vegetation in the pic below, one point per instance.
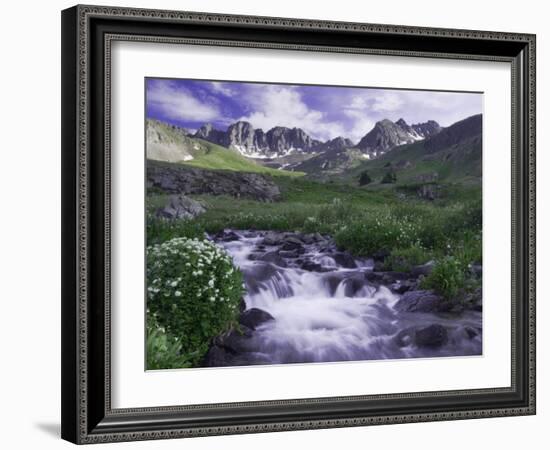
[(404, 259), (447, 277), (193, 295), (389, 178), (364, 222), (215, 157), (459, 164), (364, 178), (164, 351)]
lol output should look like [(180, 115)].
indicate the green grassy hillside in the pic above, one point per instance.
[(215, 157), (413, 164), (170, 144)]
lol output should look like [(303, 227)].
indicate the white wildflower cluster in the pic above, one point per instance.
[(182, 267)]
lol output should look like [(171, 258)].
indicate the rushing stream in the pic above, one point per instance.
[(323, 306)]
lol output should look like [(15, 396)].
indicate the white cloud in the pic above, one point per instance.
[(283, 106), (179, 104), (361, 124), (387, 102), (221, 88)]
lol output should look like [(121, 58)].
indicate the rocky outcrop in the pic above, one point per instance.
[(335, 145), (282, 139), (181, 207), (387, 135), (254, 317), (186, 180), (434, 335), (209, 133), (251, 142), (419, 301)]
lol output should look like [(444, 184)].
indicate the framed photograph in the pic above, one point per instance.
[(279, 224)]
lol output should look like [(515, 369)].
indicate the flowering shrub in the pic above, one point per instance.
[(379, 231), (193, 292)]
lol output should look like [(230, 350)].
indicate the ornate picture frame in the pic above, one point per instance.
[(88, 33)]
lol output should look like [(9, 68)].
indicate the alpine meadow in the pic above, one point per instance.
[(311, 224)]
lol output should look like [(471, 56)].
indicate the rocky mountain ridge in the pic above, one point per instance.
[(387, 135), (283, 141)]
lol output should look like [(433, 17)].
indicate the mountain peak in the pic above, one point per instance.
[(401, 122), (386, 135)]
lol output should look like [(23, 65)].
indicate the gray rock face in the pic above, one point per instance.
[(335, 145), (255, 143), (209, 133), (423, 269), (434, 335), (181, 207), (254, 317), (419, 301), (387, 135), (186, 180), (427, 129), (282, 139)]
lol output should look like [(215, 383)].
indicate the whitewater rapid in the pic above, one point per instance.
[(331, 313)]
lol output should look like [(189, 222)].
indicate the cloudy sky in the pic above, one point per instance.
[(324, 112)]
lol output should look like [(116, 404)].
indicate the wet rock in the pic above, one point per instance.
[(419, 301), (235, 340), (353, 282), (311, 238), (476, 270), (424, 269), (288, 254), (227, 236), (254, 317), (218, 357), (434, 335), (180, 207), (259, 272), (242, 305), (273, 257), (273, 238), (404, 338), (231, 348), (456, 308), (400, 287), (374, 277), (474, 300), (293, 246), (392, 277), (344, 260), (312, 266), (470, 332)]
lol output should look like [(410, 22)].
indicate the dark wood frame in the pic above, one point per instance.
[(87, 32)]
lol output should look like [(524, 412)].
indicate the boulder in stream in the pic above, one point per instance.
[(419, 301), (254, 317), (434, 335)]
